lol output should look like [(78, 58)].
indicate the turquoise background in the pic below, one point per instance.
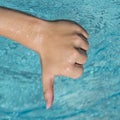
[(94, 96)]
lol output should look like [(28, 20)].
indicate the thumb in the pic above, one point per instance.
[(47, 83)]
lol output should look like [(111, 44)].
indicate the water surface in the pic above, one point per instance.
[(94, 96)]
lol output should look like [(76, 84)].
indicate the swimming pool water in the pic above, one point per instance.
[(94, 96)]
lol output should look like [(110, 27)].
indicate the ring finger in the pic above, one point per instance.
[(81, 56)]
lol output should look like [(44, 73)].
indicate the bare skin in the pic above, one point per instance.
[(61, 45)]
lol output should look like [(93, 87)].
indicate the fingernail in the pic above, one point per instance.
[(48, 106), (49, 100)]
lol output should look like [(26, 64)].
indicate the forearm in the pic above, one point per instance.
[(18, 27)]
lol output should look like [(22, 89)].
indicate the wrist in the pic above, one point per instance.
[(36, 33)]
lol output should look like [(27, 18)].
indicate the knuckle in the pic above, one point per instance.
[(47, 93)]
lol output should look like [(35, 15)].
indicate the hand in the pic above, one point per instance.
[(62, 47)]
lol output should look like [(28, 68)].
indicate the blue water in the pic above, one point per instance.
[(94, 96)]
